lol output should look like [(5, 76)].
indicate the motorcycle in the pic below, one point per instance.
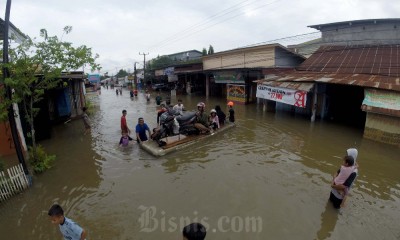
[(172, 123)]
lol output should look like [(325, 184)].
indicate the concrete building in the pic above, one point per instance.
[(360, 32), (232, 73), (357, 32), (356, 77), (185, 56)]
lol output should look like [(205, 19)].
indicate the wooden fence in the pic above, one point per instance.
[(12, 183)]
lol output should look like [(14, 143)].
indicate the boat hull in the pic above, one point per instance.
[(179, 142)]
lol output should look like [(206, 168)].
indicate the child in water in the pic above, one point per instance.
[(231, 112), (214, 121), (68, 228), (345, 171), (124, 141)]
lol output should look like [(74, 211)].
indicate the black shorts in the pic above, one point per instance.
[(335, 201)]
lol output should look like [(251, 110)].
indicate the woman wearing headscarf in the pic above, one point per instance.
[(335, 196)]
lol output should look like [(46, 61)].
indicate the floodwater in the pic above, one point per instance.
[(268, 178)]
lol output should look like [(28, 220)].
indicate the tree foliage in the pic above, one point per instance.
[(160, 62), (122, 73), (204, 52), (210, 50), (36, 66)]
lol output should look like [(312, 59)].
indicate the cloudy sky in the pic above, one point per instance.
[(118, 30)]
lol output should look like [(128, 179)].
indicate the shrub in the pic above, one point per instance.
[(39, 159), (90, 107)]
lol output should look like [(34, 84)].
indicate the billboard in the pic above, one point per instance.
[(293, 97), (94, 78), (381, 99)]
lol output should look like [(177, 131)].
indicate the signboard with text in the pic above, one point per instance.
[(382, 99), (229, 77), (293, 97), (236, 93), (94, 78)]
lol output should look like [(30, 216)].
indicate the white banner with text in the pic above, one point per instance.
[(293, 97)]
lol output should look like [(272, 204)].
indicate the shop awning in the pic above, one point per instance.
[(381, 102), (362, 80)]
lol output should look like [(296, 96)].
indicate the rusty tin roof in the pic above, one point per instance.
[(363, 80), (366, 59)]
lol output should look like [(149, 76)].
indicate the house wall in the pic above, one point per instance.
[(285, 59), (7, 145), (362, 33), (184, 56), (382, 128), (258, 58)]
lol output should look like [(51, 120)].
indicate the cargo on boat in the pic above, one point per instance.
[(180, 141)]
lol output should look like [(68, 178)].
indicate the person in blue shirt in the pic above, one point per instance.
[(141, 129), (68, 228)]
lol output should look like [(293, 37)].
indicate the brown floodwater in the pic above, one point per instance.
[(268, 178)]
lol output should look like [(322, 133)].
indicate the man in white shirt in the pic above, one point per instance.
[(179, 107)]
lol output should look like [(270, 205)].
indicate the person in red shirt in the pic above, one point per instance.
[(124, 125), (162, 110)]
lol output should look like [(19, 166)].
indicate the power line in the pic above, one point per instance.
[(206, 20), (209, 26), (301, 36)]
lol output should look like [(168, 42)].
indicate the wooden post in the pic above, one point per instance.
[(207, 85)]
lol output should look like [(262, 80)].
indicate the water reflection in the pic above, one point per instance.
[(328, 222)]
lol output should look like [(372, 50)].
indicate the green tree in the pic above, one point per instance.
[(204, 52), (160, 62), (122, 73), (210, 50), (36, 66)]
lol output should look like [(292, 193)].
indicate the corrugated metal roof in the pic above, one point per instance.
[(363, 80), (368, 59)]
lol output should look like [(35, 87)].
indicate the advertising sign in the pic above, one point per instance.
[(382, 99), (94, 78), (229, 77), (293, 97), (236, 93)]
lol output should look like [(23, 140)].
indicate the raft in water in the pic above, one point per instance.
[(180, 141)]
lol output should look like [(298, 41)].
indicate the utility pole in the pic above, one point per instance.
[(6, 74), (144, 63), (134, 76)]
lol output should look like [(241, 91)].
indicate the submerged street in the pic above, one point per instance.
[(274, 169)]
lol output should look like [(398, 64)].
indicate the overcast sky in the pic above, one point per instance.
[(119, 29)]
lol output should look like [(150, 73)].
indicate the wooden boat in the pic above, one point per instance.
[(180, 141)]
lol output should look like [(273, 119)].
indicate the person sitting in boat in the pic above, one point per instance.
[(162, 110), (214, 121), (221, 115), (155, 134), (201, 122)]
